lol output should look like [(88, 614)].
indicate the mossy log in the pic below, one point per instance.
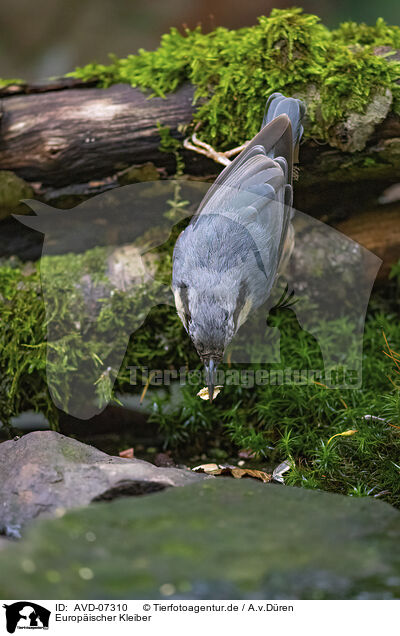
[(78, 140)]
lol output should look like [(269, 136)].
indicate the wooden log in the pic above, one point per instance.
[(61, 136), (76, 135)]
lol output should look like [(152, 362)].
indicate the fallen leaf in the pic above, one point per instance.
[(238, 473), (128, 453), (234, 471), (204, 395), (210, 469)]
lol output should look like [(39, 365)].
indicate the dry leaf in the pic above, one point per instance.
[(204, 395), (128, 453), (210, 469), (238, 473), (234, 471)]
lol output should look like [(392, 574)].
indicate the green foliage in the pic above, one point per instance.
[(276, 422), (380, 34), (25, 324), (234, 71), (172, 145), (10, 82), (298, 421), (22, 346)]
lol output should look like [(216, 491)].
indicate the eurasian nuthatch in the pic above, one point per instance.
[(226, 261)]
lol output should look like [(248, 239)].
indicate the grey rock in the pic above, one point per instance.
[(221, 538), (352, 134), (4, 543), (391, 54), (44, 473)]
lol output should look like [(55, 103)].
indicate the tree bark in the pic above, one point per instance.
[(61, 135), (76, 135), (70, 141)]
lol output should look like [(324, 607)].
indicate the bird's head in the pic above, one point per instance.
[(211, 329), (210, 323)]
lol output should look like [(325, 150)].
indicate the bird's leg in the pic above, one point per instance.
[(202, 148)]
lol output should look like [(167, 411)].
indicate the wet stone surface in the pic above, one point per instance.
[(44, 473), (220, 538)]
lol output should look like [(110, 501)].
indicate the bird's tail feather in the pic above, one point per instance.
[(277, 104)]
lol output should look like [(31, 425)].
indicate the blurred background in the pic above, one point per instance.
[(50, 37)]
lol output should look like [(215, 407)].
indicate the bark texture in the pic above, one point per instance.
[(70, 141), (64, 134)]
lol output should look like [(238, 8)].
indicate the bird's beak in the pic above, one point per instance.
[(210, 369)]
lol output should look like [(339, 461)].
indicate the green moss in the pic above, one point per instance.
[(274, 421), (277, 422), (380, 34), (234, 71), (139, 174), (352, 77), (11, 82), (169, 144), (12, 190), (22, 347), (25, 324)]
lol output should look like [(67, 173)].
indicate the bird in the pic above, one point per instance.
[(227, 259)]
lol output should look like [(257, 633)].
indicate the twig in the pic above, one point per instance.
[(201, 147), (380, 419)]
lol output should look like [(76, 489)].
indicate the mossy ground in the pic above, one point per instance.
[(336, 72), (274, 422)]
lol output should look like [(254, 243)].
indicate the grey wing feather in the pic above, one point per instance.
[(251, 197), (277, 134), (256, 180)]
